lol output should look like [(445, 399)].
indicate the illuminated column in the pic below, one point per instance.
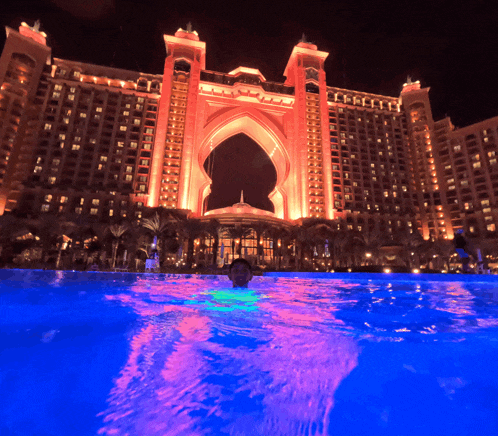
[(305, 72), (433, 211), (172, 157)]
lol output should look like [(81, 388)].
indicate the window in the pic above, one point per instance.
[(48, 198), (94, 211), (122, 128), (63, 199), (120, 144), (136, 121), (128, 177), (78, 210), (45, 207), (75, 147), (103, 158), (126, 113), (98, 109), (147, 146), (95, 201), (133, 144), (129, 169), (491, 227), (58, 87), (476, 164), (48, 126), (82, 115), (111, 212), (70, 97), (150, 131), (484, 202), (37, 169), (144, 162)]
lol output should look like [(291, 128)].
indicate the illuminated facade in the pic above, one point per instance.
[(107, 142)]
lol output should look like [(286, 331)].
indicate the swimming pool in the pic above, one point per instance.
[(136, 354)]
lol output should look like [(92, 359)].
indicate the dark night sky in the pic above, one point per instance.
[(450, 46)]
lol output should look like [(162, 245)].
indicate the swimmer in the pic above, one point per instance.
[(240, 273)]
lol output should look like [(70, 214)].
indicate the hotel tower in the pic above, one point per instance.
[(105, 142)]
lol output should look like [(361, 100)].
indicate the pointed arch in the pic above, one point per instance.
[(262, 130)]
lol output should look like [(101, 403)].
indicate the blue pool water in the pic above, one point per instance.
[(135, 354)]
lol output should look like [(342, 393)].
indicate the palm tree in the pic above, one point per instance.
[(190, 229), (213, 227), (158, 226), (117, 231)]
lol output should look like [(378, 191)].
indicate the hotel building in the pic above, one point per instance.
[(106, 142)]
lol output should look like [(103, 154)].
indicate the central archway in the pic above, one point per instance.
[(240, 164), (261, 130)]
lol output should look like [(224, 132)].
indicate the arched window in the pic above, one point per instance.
[(182, 65), (24, 59)]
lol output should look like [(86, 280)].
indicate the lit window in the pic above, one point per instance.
[(78, 210), (95, 201), (48, 126), (94, 211), (70, 97), (66, 120), (129, 169), (56, 94), (133, 144), (111, 212), (45, 207), (491, 227), (144, 162), (63, 199), (126, 113), (128, 177), (103, 158), (457, 148), (75, 147), (147, 146), (150, 131), (48, 198), (484, 202), (120, 144), (98, 109), (122, 128), (476, 164), (37, 170), (82, 115), (136, 121)]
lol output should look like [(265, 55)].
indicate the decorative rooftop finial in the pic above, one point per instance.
[(409, 80), (189, 27), (303, 39), (36, 26), (242, 196)]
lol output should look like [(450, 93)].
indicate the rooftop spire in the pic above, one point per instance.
[(242, 196)]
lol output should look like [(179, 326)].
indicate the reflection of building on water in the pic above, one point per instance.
[(189, 373)]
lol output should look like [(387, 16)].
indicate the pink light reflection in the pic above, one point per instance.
[(163, 388)]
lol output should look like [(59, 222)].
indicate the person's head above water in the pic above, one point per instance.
[(240, 273)]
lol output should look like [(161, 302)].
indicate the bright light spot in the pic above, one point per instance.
[(415, 271), (387, 270)]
